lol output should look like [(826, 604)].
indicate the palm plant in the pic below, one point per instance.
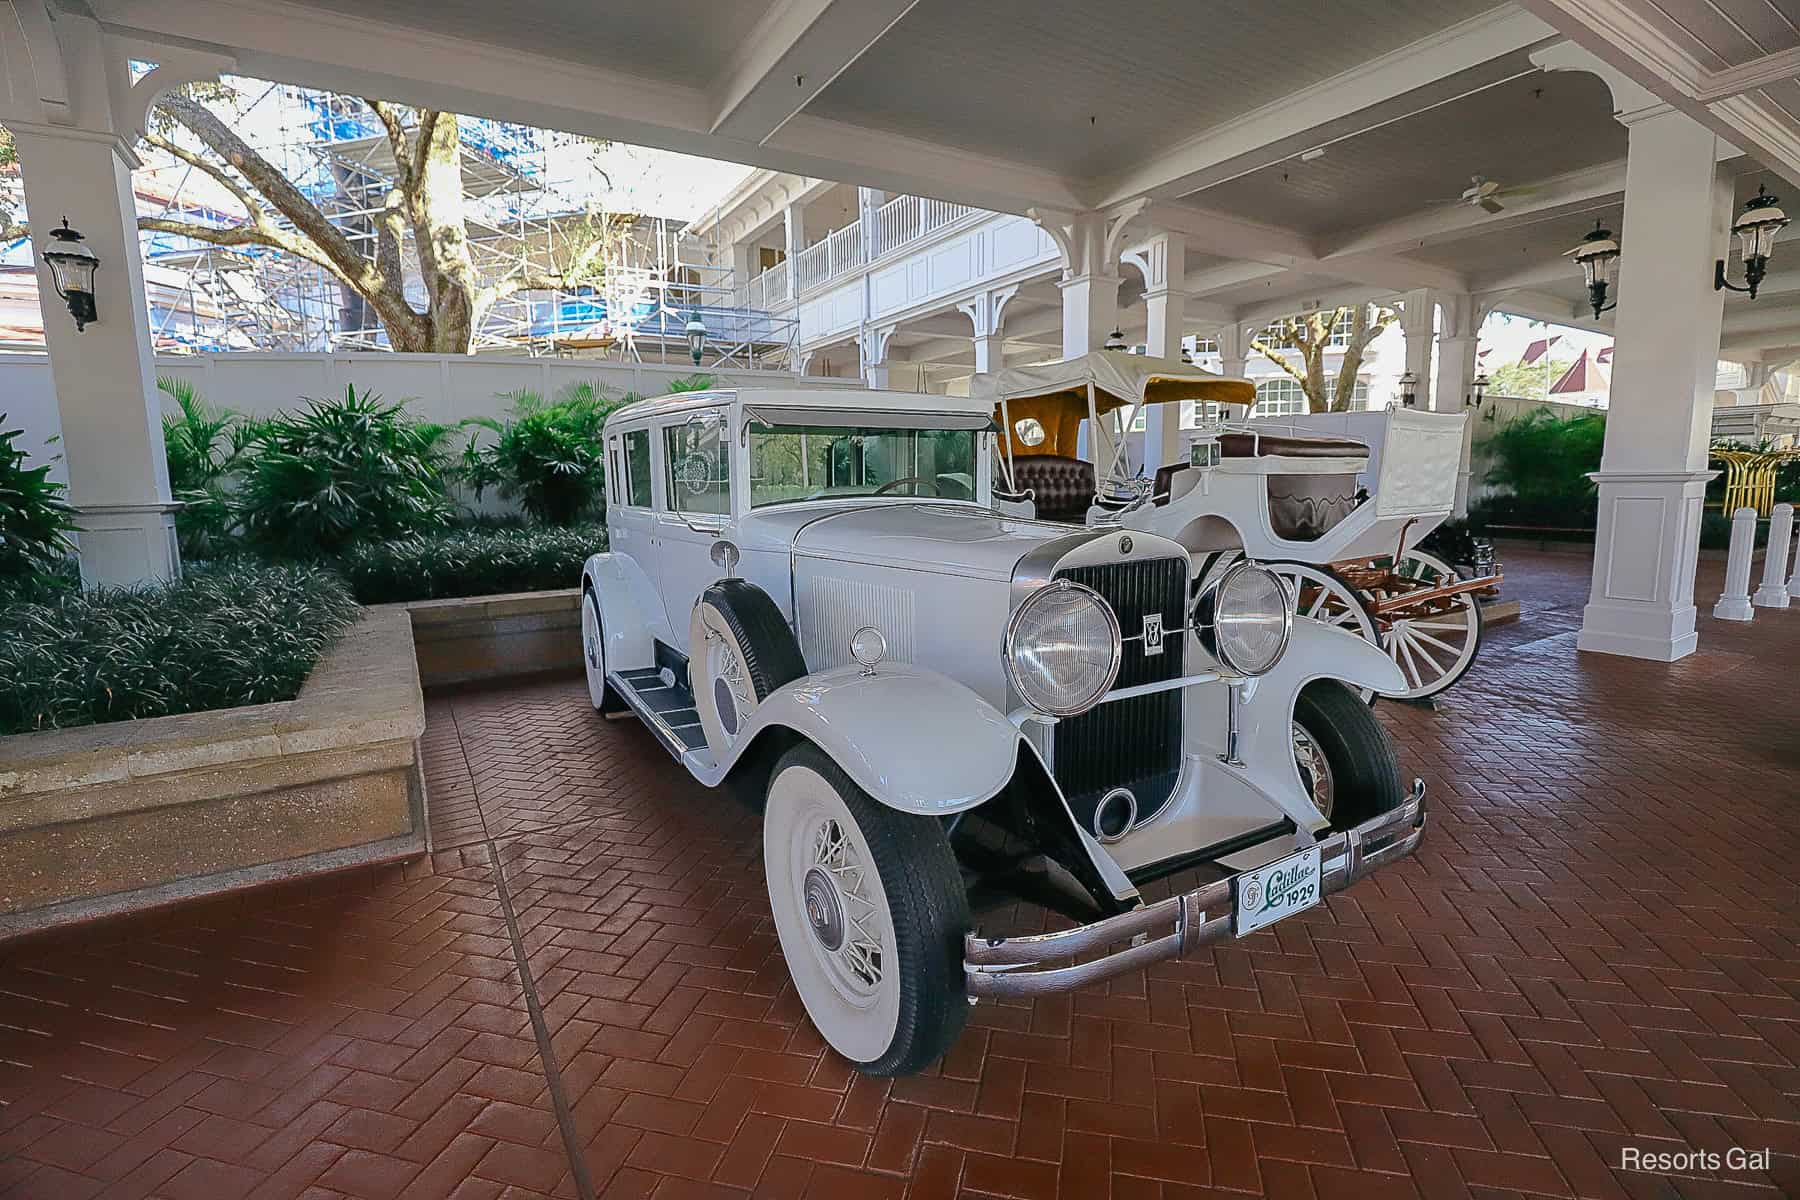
[(204, 447), (547, 455), (35, 520), (1544, 460), (343, 471)]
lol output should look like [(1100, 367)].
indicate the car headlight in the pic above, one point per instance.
[(1063, 649), (1245, 619)]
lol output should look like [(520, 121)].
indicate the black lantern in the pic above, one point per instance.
[(1115, 340), (1409, 390), (72, 266), (1478, 389), (1756, 228), (1598, 257), (696, 337)]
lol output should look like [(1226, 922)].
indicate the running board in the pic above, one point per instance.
[(665, 706)]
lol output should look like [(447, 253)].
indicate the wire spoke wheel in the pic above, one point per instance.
[(1320, 595), (1433, 643), (1315, 770)]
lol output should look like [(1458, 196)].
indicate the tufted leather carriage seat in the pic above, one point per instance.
[(1062, 488), (1249, 445), (1302, 507)]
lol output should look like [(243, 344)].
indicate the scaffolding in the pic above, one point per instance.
[(517, 214)]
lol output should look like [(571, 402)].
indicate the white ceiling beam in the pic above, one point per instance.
[(1236, 275), (1765, 339), (300, 44), (1536, 276), (1576, 192), (1760, 317), (1368, 95), (1747, 77), (1262, 313), (1548, 306), (1613, 31), (795, 52)]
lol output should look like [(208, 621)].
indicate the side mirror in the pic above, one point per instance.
[(725, 556)]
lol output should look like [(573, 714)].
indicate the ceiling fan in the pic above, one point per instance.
[(1486, 193)]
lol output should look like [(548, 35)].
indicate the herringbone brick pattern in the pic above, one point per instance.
[(1595, 948)]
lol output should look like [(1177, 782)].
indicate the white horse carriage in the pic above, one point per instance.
[(1335, 503)]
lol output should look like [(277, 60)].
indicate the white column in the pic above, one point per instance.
[(743, 269), (793, 219), (986, 312), (1418, 324), (1653, 472), (105, 377), (875, 355), (1234, 350), (1165, 266), (1773, 592)]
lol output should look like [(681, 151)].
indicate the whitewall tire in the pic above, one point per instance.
[(871, 912), (593, 650)]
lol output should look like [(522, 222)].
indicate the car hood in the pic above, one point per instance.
[(951, 539)]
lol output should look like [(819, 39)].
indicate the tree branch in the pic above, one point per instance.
[(396, 135), (273, 237), (225, 179)]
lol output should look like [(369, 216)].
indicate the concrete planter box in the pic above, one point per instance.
[(490, 637), (124, 816)]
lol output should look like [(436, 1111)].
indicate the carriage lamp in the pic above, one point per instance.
[(1598, 258), (696, 336), (72, 266), (1409, 390), (1756, 228), (1115, 340), (1478, 389)]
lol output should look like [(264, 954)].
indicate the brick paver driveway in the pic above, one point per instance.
[(580, 994)]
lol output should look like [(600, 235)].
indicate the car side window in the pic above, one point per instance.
[(698, 457), (637, 468)]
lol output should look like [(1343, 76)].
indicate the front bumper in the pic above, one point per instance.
[(1172, 927)]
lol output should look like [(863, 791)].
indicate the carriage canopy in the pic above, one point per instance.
[(1056, 395)]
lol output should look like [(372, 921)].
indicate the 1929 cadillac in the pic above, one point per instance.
[(809, 598), (1292, 494)]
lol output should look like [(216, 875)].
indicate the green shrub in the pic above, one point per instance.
[(35, 520), (233, 634), (204, 448), (343, 471), (1542, 460), (547, 455), (470, 562)]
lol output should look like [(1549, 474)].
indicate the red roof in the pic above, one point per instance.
[(1581, 378), (1605, 355), (1538, 349)]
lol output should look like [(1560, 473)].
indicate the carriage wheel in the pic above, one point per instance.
[(1320, 593), (1436, 647)]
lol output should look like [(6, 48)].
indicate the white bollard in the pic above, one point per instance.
[(1734, 603), (1793, 585), (1773, 593)]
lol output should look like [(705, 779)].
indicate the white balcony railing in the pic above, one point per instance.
[(898, 223), (906, 219)]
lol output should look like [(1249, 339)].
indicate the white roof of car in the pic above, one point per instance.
[(844, 399)]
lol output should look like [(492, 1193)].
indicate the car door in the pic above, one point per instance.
[(695, 512)]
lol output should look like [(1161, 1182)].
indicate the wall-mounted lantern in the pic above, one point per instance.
[(696, 338), (1114, 340), (1409, 390), (1756, 228), (1478, 389), (1598, 258), (72, 266)]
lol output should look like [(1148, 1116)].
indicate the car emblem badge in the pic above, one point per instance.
[(1125, 544), (1153, 634)]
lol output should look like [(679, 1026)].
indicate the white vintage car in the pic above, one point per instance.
[(809, 598)]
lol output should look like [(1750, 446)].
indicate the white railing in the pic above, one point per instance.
[(840, 253), (898, 223), (906, 219), (767, 290)]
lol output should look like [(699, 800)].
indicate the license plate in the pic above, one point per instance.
[(1281, 889)]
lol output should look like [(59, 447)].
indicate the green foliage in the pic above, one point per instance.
[(1543, 461), (548, 455), (343, 471), (470, 562), (693, 383), (229, 635), (1528, 381), (35, 520), (204, 447)]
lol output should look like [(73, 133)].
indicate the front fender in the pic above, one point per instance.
[(1266, 745), (915, 740)]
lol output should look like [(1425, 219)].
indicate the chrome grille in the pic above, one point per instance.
[(1134, 743)]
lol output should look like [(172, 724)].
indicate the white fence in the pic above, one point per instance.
[(906, 219), (437, 387)]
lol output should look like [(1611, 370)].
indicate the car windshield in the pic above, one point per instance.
[(817, 462)]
